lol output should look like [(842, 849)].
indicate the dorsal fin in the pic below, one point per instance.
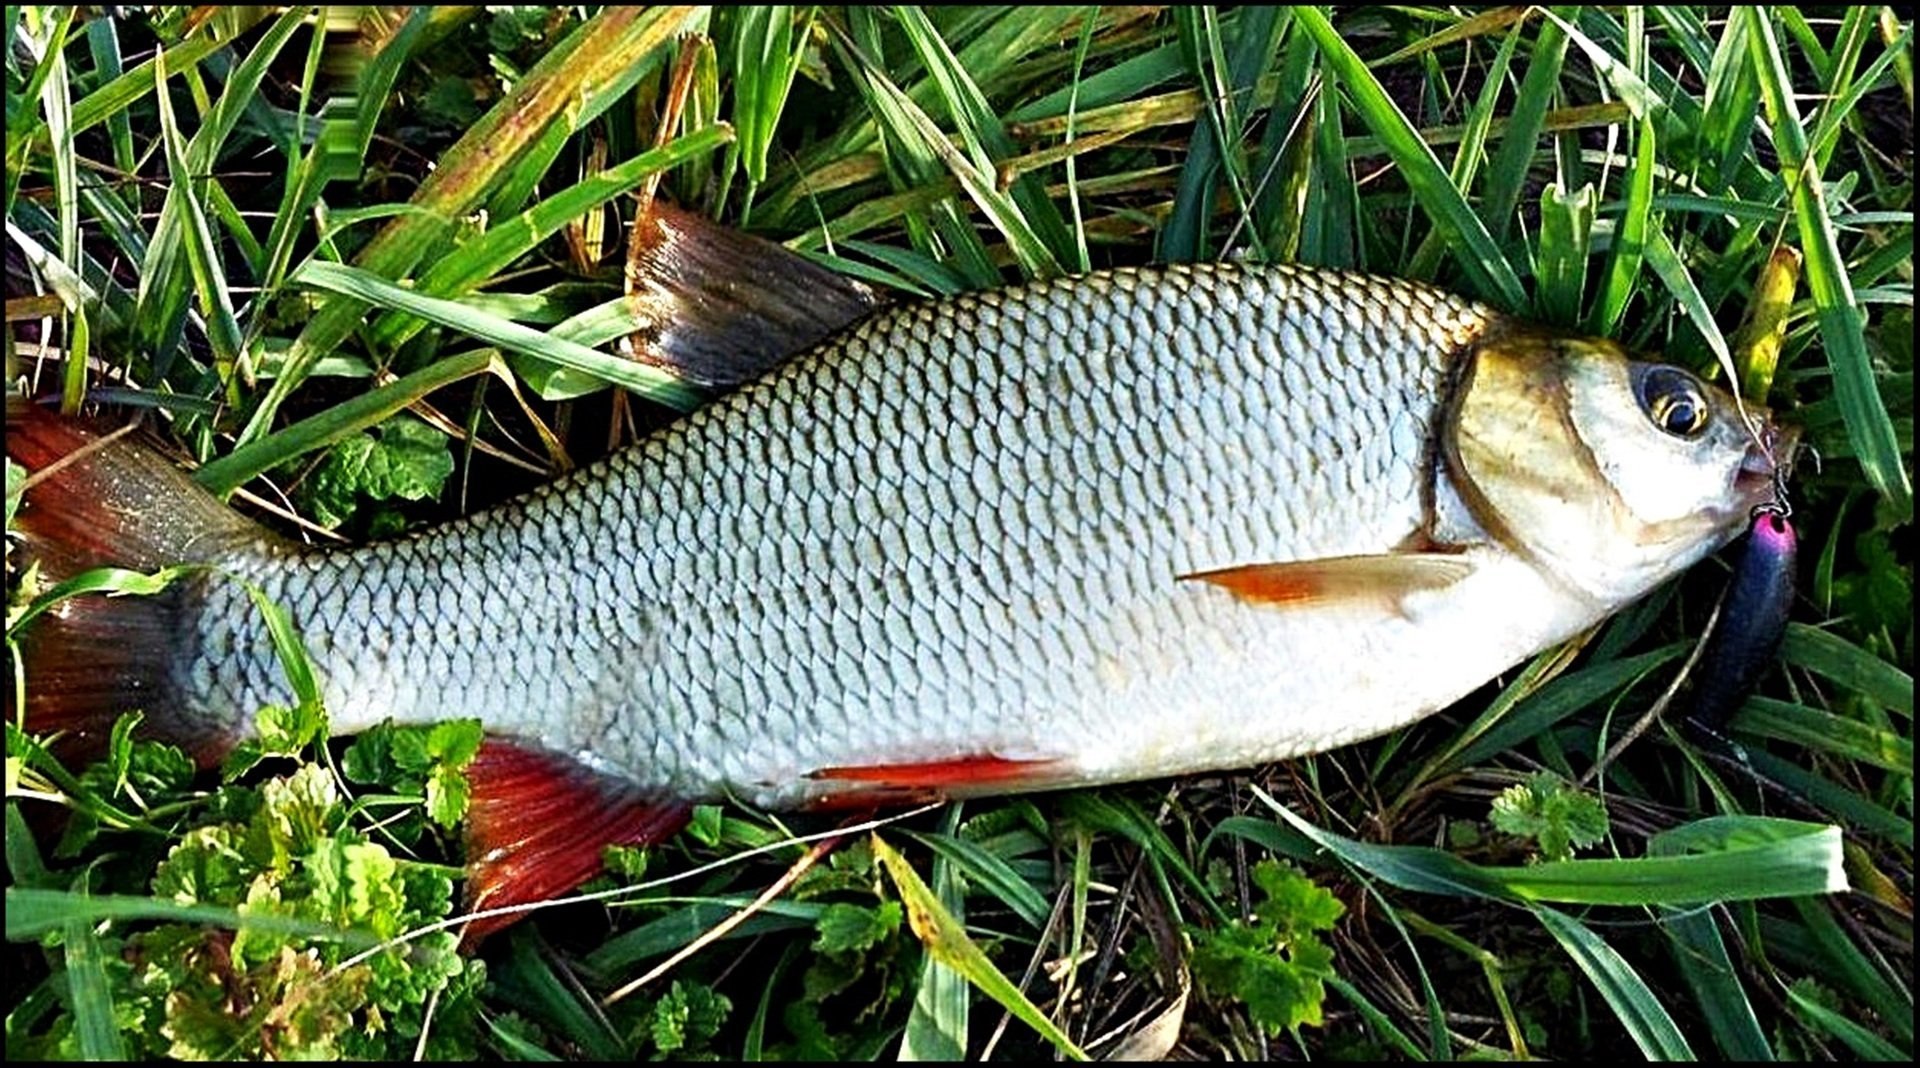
[(725, 306)]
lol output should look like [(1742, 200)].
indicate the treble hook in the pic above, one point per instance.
[(1779, 505)]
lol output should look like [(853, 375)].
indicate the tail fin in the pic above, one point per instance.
[(95, 499)]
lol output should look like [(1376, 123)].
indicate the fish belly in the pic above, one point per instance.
[(955, 530)]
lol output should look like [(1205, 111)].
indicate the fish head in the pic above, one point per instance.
[(1610, 473)]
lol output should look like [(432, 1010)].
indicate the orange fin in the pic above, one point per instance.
[(933, 778), (1387, 577), (538, 821)]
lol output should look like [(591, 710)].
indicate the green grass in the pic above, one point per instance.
[(313, 241)]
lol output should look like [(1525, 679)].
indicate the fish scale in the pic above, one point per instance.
[(955, 529)]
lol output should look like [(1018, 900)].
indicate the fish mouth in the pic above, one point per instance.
[(1767, 465)]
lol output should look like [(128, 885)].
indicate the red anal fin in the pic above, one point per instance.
[(538, 821), (937, 778), (1387, 577)]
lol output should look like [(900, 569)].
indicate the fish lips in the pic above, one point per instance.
[(1763, 472)]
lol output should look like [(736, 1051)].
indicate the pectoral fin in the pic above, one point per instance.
[(1385, 578)]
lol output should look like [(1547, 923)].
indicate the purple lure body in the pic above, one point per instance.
[(1752, 621)]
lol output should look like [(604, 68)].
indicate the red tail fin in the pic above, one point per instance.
[(97, 499)]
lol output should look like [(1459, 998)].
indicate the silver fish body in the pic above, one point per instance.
[(958, 531)]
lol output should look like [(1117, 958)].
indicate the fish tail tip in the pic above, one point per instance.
[(92, 498)]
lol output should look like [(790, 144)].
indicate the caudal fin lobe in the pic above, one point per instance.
[(95, 498)]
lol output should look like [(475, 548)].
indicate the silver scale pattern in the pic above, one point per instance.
[(953, 529)]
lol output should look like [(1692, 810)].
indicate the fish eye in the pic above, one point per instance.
[(1673, 400)]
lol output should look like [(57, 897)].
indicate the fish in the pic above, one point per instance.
[(1136, 523)]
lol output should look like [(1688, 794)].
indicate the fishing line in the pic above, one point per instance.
[(719, 930), (1660, 705), (605, 895), (1309, 97)]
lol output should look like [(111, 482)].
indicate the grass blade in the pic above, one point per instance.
[(1826, 653), (115, 97), (1864, 1043), (190, 230), (32, 912), (1124, 81), (183, 226), (937, 1026), (946, 941), (571, 85), (1228, 88), (1507, 174), (1636, 1006), (478, 260), (1693, 939), (56, 101), (1757, 345), (369, 288), (1492, 276), (1555, 701), (1285, 160), (227, 473), (765, 60), (1666, 264), (678, 929), (79, 344), (1566, 229), (984, 870), (1731, 103), (1629, 236), (287, 648), (339, 147), (1327, 236), (911, 127), (987, 140), (529, 980), (21, 28), (1828, 134), (1842, 322), (1849, 967), (1863, 815), (1766, 717), (86, 974), (1466, 157), (1734, 859)]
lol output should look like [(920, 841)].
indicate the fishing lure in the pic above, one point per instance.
[(1753, 618)]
